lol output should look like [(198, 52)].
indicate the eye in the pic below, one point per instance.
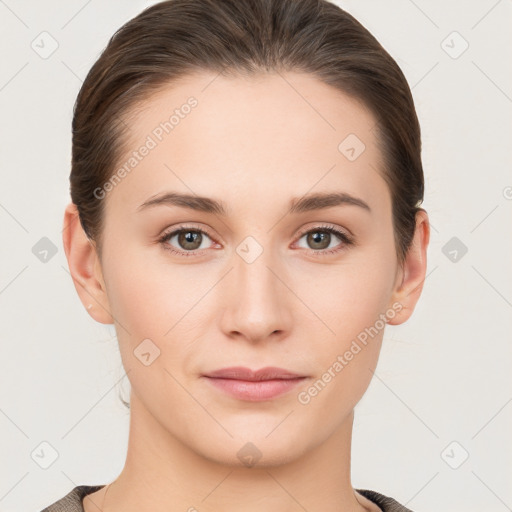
[(188, 240), (320, 238)]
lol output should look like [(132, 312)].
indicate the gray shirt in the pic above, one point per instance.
[(72, 502)]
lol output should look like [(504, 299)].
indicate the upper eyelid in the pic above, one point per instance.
[(321, 227), (174, 231)]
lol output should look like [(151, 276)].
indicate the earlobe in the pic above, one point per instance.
[(84, 267), (411, 278)]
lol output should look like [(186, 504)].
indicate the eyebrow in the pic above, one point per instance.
[(306, 203)]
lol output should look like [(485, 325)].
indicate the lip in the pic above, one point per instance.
[(246, 384), (242, 373)]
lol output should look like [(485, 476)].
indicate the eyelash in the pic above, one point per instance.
[(346, 239)]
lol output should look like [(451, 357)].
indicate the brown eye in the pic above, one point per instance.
[(190, 240), (187, 240), (319, 240)]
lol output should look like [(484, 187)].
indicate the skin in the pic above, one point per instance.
[(254, 144)]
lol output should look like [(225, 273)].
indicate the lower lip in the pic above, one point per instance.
[(255, 391)]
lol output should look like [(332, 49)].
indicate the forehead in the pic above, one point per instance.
[(295, 107), (214, 135)]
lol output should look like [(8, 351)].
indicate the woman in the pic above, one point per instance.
[(246, 180)]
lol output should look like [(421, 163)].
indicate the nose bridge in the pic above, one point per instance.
[(258, 302), (252, 264)]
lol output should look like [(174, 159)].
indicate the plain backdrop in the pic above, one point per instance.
[(433, 429)]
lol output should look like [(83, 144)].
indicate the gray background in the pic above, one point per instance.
[(442, 389)]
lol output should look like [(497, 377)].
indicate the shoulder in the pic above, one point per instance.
[(386, 503), (72, 502)]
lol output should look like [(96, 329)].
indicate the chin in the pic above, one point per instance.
[(252, 448)]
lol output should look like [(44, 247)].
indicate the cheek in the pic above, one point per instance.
[(150, 305), (160, 302), (344, 300), (149, 296), (348, 305), (345, 358)]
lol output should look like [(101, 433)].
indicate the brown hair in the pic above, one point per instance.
[(175, 37)]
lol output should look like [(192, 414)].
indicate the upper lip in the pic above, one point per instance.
[(242, 373)]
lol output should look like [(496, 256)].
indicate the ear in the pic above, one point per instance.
[(411, 276), (84, 267)]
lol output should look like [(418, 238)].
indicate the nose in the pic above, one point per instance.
[(258, 306)]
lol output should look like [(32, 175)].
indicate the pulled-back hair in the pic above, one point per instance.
[(173, 38)]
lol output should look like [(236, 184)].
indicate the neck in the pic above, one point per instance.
[(163, 474)]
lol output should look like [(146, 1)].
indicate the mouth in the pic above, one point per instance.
[(254, 386)]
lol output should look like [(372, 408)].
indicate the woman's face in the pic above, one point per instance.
[(261, 283)]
